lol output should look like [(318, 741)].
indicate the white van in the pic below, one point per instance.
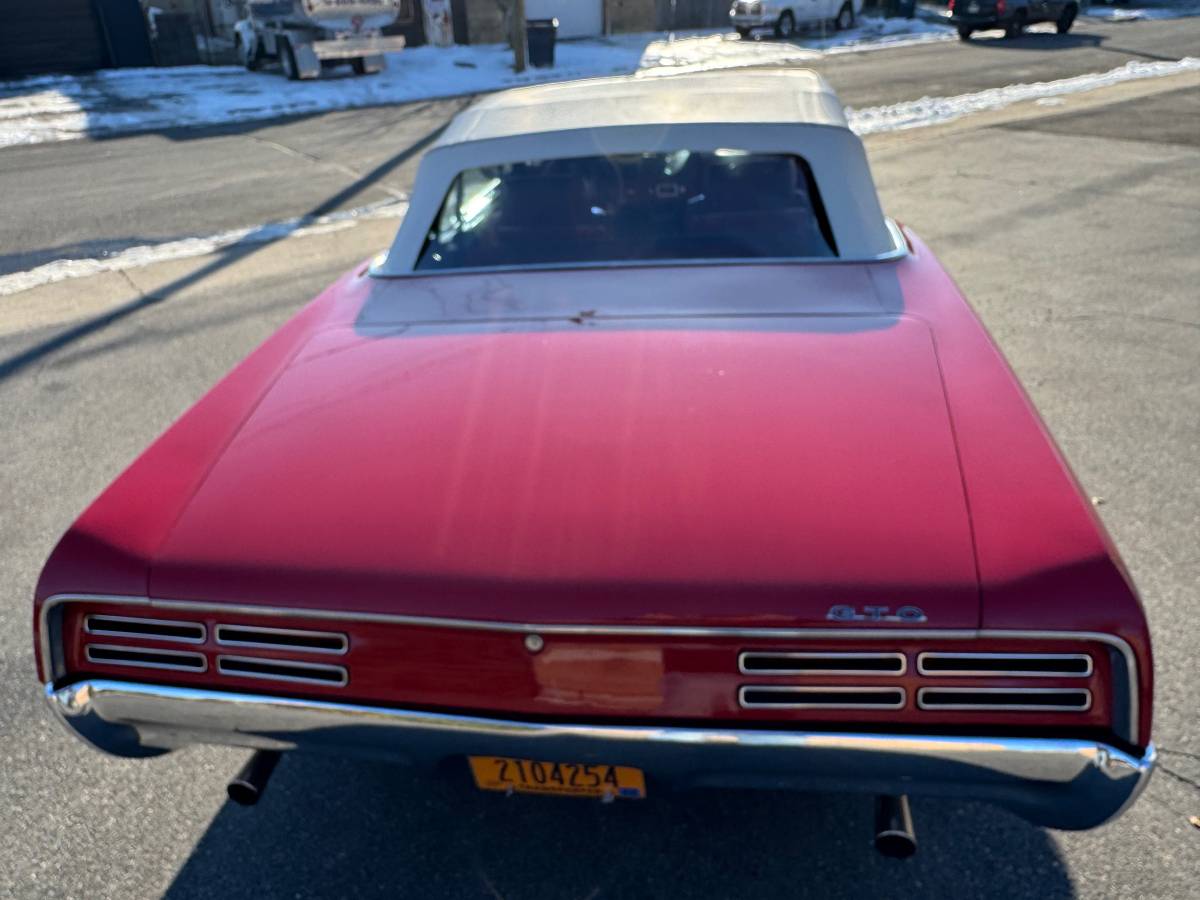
[(784, 17)]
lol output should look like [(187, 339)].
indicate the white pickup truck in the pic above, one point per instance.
[(306, 35), (784, 18)]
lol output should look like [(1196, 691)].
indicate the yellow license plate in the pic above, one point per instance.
[(531, 776)]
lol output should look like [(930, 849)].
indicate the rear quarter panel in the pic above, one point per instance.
[(1045, 560)]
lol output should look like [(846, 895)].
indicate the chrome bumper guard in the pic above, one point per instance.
[(1059, 783), (352, 47)]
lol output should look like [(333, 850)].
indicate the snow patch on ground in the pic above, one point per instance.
[(937, 110), (1125, 14), (699, 52), (60, 107), (134, 257), (1107, 13), (913, 114)]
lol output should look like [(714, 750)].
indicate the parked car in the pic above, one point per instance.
[(748, 16), (650, 453), (969, 16)]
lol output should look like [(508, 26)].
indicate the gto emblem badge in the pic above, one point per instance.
[(875, 614)]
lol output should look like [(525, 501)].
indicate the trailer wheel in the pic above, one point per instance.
[(287, 59), (359, 65)]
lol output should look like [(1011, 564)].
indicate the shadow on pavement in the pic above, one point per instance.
[(329, 827), (1047, 40), (1039, 40), (250, 126), (29, 259), (224, 258)]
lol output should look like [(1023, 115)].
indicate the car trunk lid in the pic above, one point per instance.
[(719, 469)]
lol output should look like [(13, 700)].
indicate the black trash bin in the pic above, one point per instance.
[(540, 35)]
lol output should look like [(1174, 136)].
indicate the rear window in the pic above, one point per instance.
[(724, 204)]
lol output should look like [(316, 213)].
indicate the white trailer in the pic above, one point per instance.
[(306, 35)]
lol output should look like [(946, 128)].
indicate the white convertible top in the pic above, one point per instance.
[(782, 96), (758, 110)]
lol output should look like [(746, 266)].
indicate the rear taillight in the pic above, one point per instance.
[(950, 6), (1001, 7)]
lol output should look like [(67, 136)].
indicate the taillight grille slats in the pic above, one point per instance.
[(1005, 699), (146, 658), (282, 670), (1000, 681), (764, 662), (145, 629), (289, 639), (1013, 665), (756, 696), (268, 653)]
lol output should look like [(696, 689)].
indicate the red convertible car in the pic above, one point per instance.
[(651, 455)]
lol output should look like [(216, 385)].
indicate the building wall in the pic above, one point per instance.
[(681, 14), (630, 15), (38, 36), (576, 18), (52, 36), (482, 21), (410, 22)]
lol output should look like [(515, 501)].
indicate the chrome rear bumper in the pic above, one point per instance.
[(1054, 782), (352, 47)]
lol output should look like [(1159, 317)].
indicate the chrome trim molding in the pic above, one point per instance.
[(134, 620), (898, 251), (149, 651), (1003, 673), (897, 692), (801, 656), (341, 681), (52, 668), (922, 703), (282, 632), (1057, 782)]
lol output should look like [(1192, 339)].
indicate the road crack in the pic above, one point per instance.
[(133, 284)]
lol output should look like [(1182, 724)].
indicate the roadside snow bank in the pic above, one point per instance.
[(135, 257), (1107, 13), (1125, 14), (936, 110), (914, 114), (57, 108)]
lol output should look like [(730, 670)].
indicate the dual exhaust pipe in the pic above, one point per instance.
[(249, 784), (894, 836)]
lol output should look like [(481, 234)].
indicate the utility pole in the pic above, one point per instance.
[(520, 50)]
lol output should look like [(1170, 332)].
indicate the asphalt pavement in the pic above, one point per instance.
[(1071, 227), (85, 199)]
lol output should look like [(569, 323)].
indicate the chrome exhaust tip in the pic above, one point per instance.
[(248, 785), (894, 835)]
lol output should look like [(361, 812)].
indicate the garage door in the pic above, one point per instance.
[(50, 36), (576, 18)]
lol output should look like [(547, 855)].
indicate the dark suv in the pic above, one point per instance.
[(970, 16)]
